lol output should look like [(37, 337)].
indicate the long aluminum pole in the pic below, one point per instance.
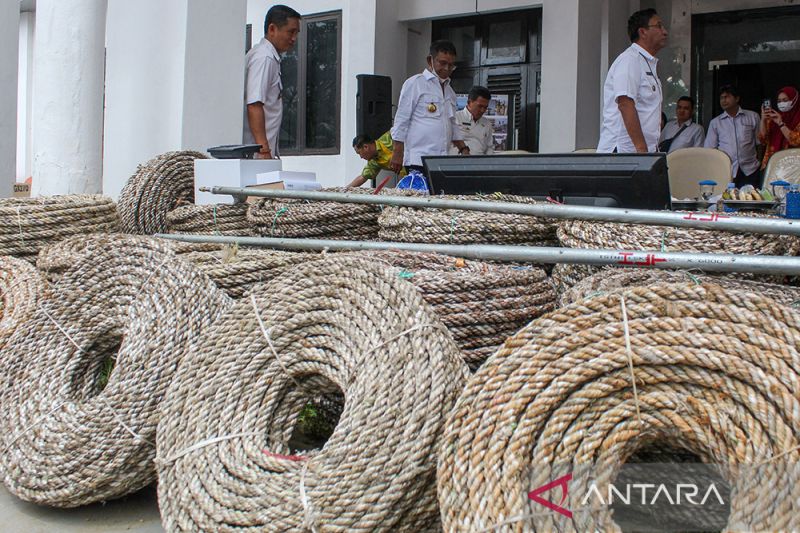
[(756, 264), (709, 221)]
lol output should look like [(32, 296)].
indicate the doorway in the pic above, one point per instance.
[(756, 50)]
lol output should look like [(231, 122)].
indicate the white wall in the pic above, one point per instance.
[(214, 74), (9, 56), (25, 96), (174, 80), (428, 9), (358, 57)]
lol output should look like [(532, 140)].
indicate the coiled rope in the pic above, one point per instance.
[(20, 288), (236, 271), (216, 219), (453, 226), (481, 304), (339, 325), (322, 220), (28, 224), (714, 372), (615, 279), (156, 188), (66, 437)]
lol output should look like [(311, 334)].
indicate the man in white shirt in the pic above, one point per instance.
[(735, 132), (476, 129), (425, 122), (263, 105), (632, 94), (682, 132)]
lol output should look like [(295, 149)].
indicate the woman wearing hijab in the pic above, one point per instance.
[(780, 129)]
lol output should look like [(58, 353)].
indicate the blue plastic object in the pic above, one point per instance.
[(414, 181), (793, 202)]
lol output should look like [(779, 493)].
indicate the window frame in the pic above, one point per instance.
[(302, 65)]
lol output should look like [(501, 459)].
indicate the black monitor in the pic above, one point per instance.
[(636, 181)]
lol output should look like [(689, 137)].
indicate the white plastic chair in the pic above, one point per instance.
[(585, 151), (687, 166), (783, 165)]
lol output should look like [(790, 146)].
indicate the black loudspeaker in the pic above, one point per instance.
[(373, 105)]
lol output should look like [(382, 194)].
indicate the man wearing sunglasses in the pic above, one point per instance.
[(425, 122)]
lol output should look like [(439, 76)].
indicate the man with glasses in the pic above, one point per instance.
[(632, 94), (425, 122), (377, 154)]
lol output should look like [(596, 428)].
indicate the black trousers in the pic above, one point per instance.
[(743, 179)]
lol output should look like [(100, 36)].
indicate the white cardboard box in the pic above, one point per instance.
[(286, 176), (289, 185), (228, 173)]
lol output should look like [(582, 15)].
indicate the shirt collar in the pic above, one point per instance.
[(687, 123), (644, 52), (428, 75), (271, 50), (726, 115)]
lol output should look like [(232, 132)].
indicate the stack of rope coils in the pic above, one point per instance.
[(216, 219), (316, 220), (481, 304), (237, 271), (20, 287), (616, 279), (342, 324), (28, 224), (579, 390), (453, 226), (68, 437), (158, 186), (615, 236), (54, 259)]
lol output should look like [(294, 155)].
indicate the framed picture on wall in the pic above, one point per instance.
[(499, 114)]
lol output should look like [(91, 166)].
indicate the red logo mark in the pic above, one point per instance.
[(708, 217), (649, 260), (560, 482)]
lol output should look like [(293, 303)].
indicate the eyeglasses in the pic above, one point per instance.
[(660, 26), (444, 65)]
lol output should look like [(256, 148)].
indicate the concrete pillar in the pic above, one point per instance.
[(9, 56), (68, 97), (25, 96), (570, 116), (174, 80)]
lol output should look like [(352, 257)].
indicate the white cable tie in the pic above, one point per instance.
[(204, 443), (309, 520), (62, 330), (629, 353), (268, 337), (124, 425), (33, 425)]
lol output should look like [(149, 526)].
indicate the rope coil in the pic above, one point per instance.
[(110, 305), (216, 219), (322, 220), (341, 324), (558, 398), (453, 226), (156, 188), (28, 224)]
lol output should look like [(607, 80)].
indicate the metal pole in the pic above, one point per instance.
[(756, 264), (707, 221)]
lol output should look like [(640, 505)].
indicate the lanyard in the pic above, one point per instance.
[(650, 70)]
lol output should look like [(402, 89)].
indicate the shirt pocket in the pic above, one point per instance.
[(429, 107)]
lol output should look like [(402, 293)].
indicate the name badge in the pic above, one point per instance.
[(432, 108)]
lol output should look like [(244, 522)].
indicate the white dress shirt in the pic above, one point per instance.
[(478, 135), (425, 118), (737, 136), (263, 84), (634, 75), (693, 136)]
